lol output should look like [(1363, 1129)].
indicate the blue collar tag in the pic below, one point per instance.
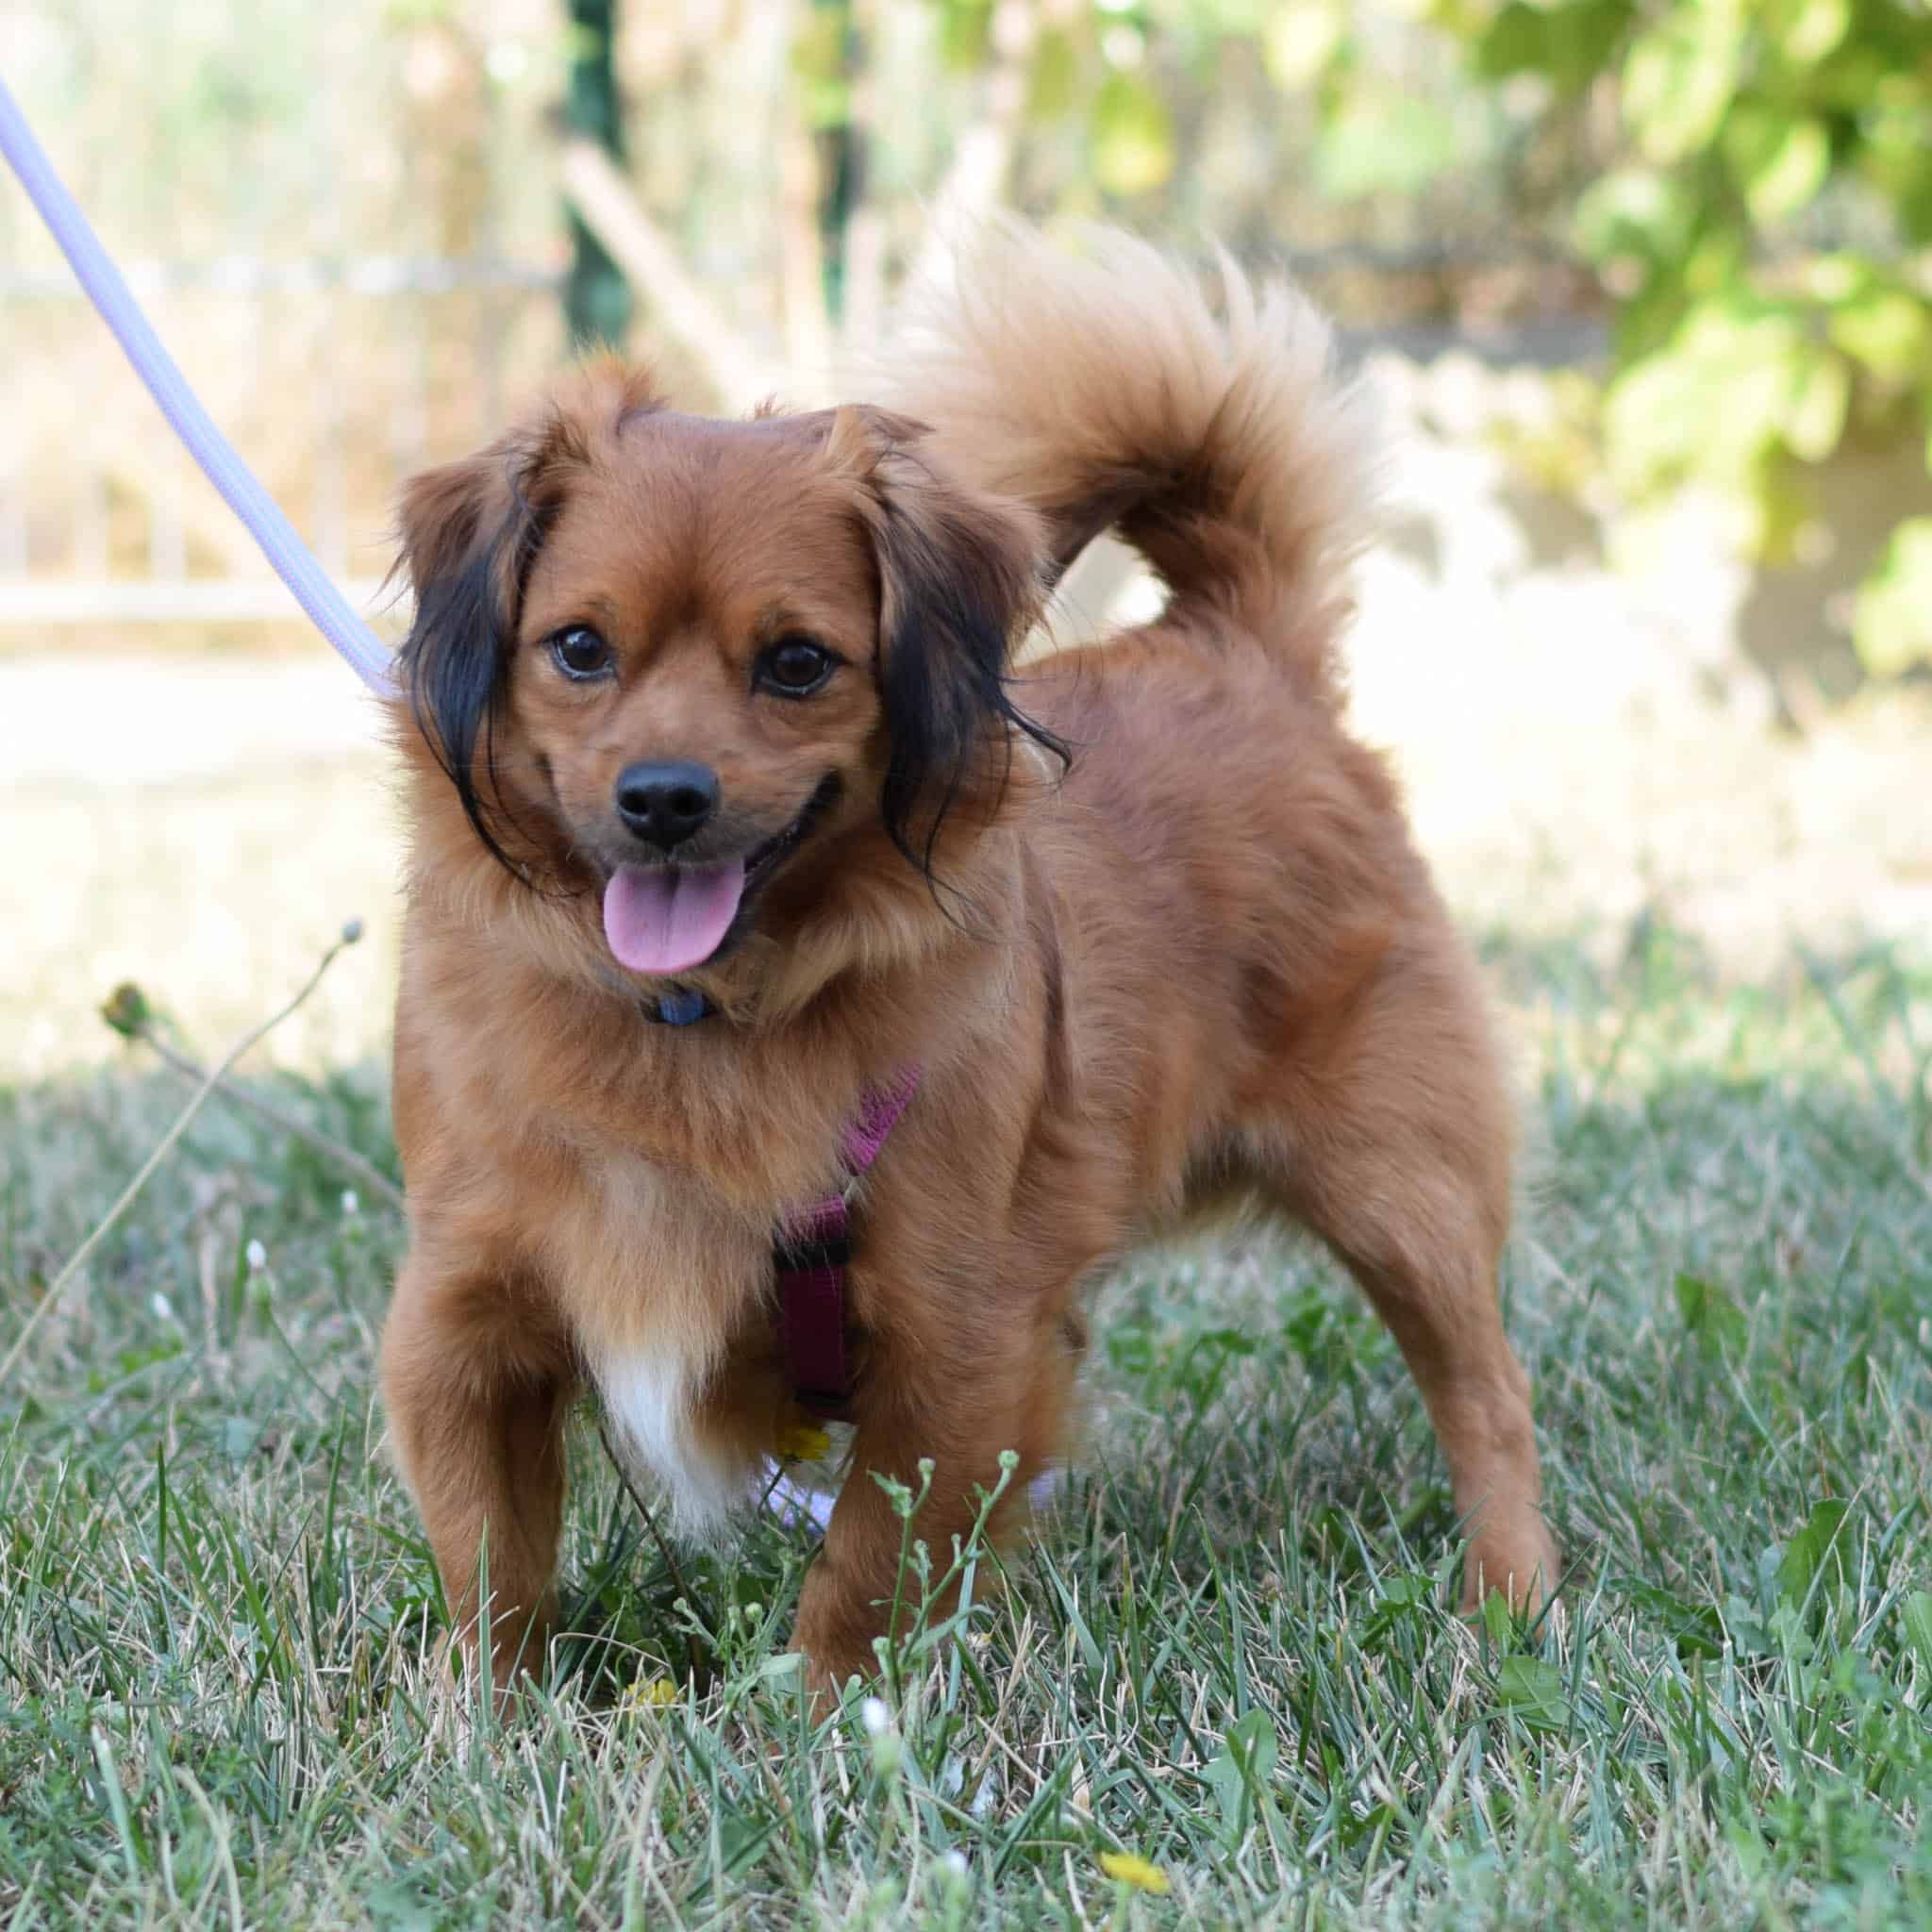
[(681, 1006)]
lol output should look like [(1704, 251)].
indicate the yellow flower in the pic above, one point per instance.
[(1139, 1873), (650, 1694), (803, 1442)]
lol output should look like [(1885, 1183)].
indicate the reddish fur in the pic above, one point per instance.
[(1210, 960)]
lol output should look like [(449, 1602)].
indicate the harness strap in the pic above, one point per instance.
[(813, 1253)]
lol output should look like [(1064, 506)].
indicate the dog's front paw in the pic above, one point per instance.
[(835, 1632), (1511, 1552), (826, 1684)]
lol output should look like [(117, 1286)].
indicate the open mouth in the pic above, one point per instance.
[(669, 918)]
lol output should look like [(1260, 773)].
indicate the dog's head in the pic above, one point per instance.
[(682, 664)]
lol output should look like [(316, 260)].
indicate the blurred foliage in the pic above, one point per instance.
[(1279, 127), (1767, 232), (1749, 181), (1747, 185)]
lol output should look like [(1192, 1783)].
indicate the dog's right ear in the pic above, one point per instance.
[(468, 531)]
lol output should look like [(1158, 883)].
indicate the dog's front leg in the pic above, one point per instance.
[(960, 1405), (477, 1392)]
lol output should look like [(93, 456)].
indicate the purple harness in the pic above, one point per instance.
[(812, 1252)]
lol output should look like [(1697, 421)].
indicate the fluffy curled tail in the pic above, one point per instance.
[(1103, 389)]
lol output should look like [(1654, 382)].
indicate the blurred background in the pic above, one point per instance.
[(1645, 290)]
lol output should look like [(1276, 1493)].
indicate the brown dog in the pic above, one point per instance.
[(721, 716)]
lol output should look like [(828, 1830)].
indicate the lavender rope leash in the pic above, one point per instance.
[(366, 653)]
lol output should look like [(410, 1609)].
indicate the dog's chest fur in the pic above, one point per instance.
[(651, 1398), (659, 1286)]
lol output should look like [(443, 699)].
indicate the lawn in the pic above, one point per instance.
[(1229, 1654)]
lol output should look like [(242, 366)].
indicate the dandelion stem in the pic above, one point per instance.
[(351, 933), (365, 1171)]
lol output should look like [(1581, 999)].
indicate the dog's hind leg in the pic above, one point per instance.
[(1391, 1137), (476, 1408)]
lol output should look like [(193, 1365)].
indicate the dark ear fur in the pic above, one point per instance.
[(959, 578), (468, 533)]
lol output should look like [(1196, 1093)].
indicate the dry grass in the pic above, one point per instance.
[(1228, 1653)]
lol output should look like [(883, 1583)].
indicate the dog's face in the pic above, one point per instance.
[(682, 663), (693, 682)]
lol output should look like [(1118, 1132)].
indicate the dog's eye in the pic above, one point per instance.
[(580, 653), (795, 666)]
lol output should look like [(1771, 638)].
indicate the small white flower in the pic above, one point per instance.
[(257, 1257), (163, 1308), (352, 1202), (876, 1718), (954, 1864)]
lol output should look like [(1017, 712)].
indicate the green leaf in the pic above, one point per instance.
[(741, 1838), (1697, 1629), (1498, 1621), (1711, 1315), (1789, 177), (1891, 153), (1133, 136), (1054, 83), (1583, 41), (1835, 276), (1816, 419), (1384, 144), (1804, 31), (1239, 1771), (1634, 211), (1712, 403), (1400, 1600), (1780, 513), (1300, 40), (1891, 620), (1210, 20), (1517, 41), (1815, 1552), (1886, 329), (1915, 1621), (965, 32), (1533, 1689), (1679, 78), (818, 69), (1569, 45)]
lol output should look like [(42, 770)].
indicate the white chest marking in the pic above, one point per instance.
[(649, 1401)]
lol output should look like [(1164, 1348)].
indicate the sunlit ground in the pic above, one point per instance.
[(205, 829)]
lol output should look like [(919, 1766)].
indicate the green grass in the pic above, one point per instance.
[(1228, 1653)]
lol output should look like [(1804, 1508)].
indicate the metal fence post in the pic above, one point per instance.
[(597, 297)]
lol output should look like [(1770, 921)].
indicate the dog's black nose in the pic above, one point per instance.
[(666, 803)]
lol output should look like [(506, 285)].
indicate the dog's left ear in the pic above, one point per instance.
[(470, 530), (960, 580), (467, 529)]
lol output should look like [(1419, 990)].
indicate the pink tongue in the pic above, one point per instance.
[(665, 917)]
